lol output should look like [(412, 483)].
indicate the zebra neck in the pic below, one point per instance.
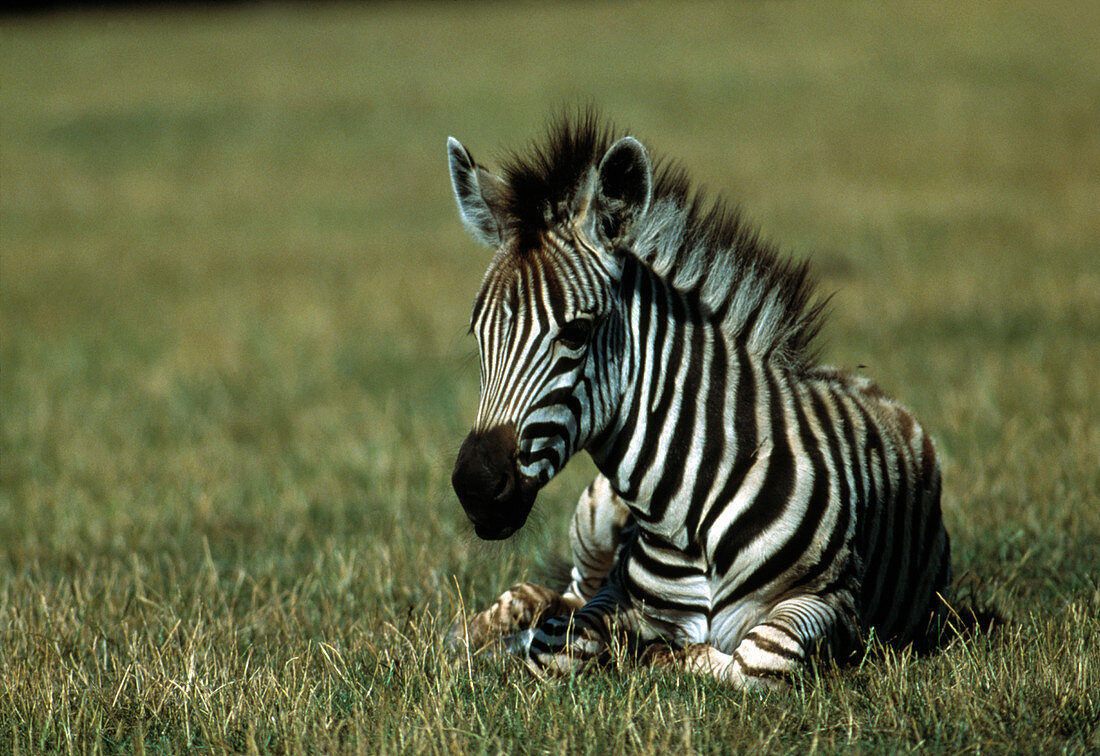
[(691, 434), (672, 435)]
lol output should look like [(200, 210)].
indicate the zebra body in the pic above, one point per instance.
[(753, 508)]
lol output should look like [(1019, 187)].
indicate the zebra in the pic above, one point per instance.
[(754, 510)]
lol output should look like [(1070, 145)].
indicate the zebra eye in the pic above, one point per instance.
[(574, 334)]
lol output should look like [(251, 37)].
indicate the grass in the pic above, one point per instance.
[(233, 368)]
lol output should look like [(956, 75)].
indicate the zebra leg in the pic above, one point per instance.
[(595, 535), (597, 531), (567, 642), (602, 535), (524, 605), (773, 652)]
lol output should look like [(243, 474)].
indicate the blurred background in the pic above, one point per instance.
[(234, 289)]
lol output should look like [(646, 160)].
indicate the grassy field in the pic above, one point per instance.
[(234, 370)]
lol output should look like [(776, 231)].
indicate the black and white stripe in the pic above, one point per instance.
[(753, 507)]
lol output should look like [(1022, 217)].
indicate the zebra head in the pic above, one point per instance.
[(548, 330)]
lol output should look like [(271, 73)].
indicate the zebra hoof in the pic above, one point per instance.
[(519, 643), (520, 607)]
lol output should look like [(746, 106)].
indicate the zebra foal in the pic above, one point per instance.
[(753, 508)]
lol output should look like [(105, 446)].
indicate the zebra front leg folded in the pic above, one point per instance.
[(773, 652), (523, 606), (596, 533), (600, 526), (601, 532), (568, 642)]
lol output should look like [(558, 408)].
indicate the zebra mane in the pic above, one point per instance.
[(694, 244)]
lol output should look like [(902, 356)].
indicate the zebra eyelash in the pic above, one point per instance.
[(575, 333)]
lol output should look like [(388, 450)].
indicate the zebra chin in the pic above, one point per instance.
[(495, 495)]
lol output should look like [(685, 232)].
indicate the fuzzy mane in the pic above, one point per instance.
[(695, 245)]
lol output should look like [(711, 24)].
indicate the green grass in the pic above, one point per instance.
[(234, 371)]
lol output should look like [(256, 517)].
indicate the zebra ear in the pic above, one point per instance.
[(624, 186), (478, 194)]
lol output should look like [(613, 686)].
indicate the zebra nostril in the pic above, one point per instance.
[(504, 487)]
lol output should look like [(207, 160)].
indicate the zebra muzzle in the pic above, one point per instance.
[(495, 496)]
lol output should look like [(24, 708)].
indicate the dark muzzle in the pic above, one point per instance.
[(495, 496)]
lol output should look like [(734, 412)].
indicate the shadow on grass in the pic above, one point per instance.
[(970, 612)]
